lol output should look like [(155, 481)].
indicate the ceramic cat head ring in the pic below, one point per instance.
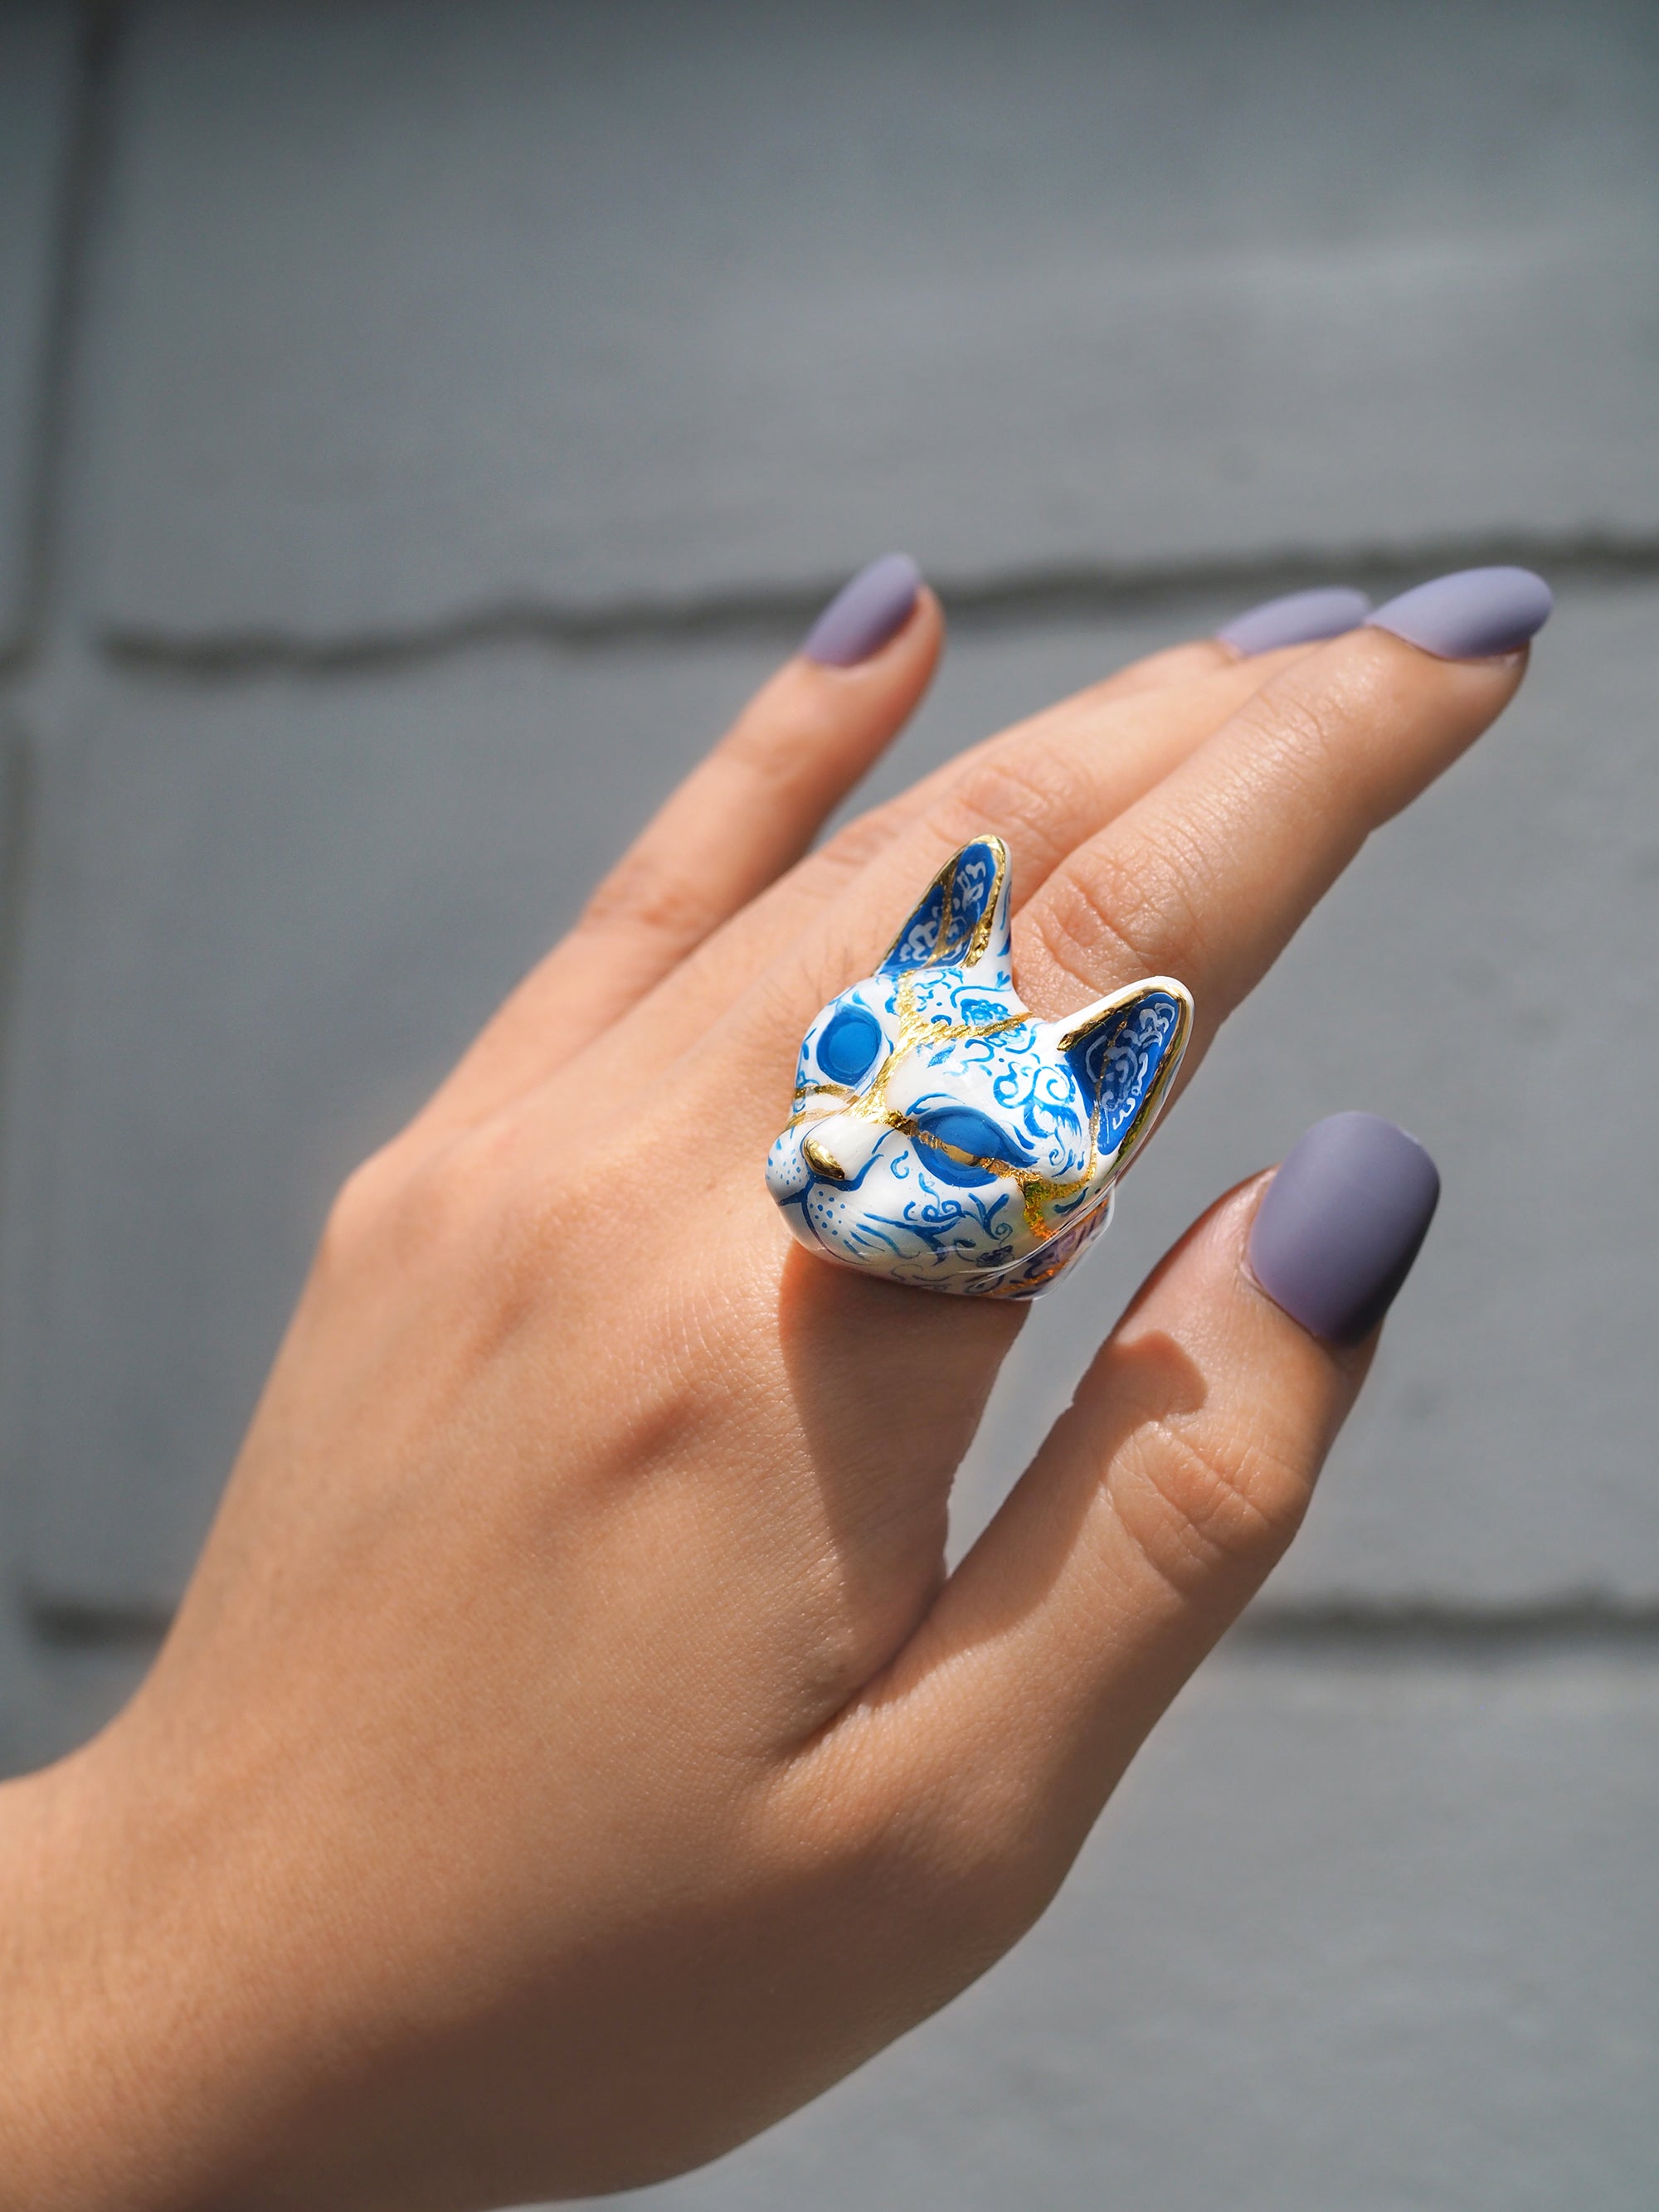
[(943, 1135)]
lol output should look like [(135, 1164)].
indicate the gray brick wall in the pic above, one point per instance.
[(419, 427)]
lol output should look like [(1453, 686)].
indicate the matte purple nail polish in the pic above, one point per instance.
[(1475, 614), (865, 613), (1299, 618), (1341, 1222)]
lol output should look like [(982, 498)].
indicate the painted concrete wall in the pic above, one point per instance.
[(420, 425)]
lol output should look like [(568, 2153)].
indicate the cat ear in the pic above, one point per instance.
[(961, 920), (1124, 1052)]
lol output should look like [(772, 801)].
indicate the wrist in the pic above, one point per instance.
[(56, 2110), (107, 2038)]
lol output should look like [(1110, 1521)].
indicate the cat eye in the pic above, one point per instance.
[(850, 1045), (966, 1132)]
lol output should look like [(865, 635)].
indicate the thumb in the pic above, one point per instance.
[(1157, 1504)]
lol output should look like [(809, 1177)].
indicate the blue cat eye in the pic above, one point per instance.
[(850, 1044), (968, 1131)]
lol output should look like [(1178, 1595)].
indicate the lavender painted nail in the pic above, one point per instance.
[(1475, 614), (1299, 618), (1341, 1222), (865, 613)]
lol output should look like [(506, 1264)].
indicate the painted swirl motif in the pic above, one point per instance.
[(944, 1136)]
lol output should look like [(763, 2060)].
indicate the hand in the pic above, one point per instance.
[(570, 1755)]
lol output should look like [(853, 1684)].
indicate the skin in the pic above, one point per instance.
[(570, 1755)]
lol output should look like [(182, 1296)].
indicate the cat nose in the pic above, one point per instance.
[(840, 1147), (821, 1160)]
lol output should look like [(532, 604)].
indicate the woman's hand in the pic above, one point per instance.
[(570, 1755)]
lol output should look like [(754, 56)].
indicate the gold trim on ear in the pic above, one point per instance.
[(979, 943), (944, 884), (1074, 1027)]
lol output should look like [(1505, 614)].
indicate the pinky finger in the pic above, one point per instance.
[(744, 815)]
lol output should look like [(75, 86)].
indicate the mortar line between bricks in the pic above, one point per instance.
[(80, 194), (1450, 1634), (974, 603)]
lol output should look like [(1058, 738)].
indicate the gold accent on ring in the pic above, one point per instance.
[(820, 1161)]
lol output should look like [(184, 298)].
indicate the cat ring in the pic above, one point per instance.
[(942, 1135)]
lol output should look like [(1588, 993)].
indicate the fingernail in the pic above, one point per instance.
[(1299, 618), (1475, 614), (1341, 1222), (865, 613)]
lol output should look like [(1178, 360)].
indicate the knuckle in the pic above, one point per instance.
[(1301, 736), (1027, 790), (362, 1204), (857, 843), (774, 750), (1091, 921), (640, 894), (410, 1205), (1197, 1503), (1109, 915)]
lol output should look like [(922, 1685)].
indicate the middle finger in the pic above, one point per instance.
[(1048, 784)]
